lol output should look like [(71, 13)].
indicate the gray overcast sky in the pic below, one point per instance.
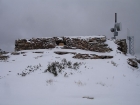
[(40, 18)]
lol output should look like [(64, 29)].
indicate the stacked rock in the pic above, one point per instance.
[(38, 43), (122, 45), (91, 56), (92, 44)]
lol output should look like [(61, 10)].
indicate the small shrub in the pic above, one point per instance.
[(64, 63), (114, 64), (60, 68), (30, 69), (64, 60), (76, 66), (102, 84), (23, 74), (52, 68), (50, 81), (56, 67), (69, 64), (65, 75), (79, 83)]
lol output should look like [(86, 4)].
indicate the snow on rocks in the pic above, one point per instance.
[(62, 52), (15, 53), (91, 56), (91, 43), (122, 45), (133, 62), (94, 81), (2, 57)]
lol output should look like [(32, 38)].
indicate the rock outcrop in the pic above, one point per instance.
[(132, 62), (92, 56), (3, 57), (122, 45), (62, 53)]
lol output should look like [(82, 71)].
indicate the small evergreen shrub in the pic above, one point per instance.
[(57, 67)]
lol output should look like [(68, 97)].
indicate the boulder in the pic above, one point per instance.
[(132, 62)]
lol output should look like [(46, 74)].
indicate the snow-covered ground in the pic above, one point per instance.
[(108, 84)]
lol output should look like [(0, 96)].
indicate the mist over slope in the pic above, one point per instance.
[(25, 77)]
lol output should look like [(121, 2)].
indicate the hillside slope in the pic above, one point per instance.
[(93, 82)]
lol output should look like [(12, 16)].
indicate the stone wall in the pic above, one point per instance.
[(93, 44), (38, 43)]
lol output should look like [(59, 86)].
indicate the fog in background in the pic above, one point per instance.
[(42, 18)]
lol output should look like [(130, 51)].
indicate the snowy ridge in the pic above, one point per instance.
[(96, 82)]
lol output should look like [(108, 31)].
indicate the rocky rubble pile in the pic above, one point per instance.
[(2, 56), (132, 62), (62, 53), (122, 45), (84, 56), (15, 53), (92, 56)]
